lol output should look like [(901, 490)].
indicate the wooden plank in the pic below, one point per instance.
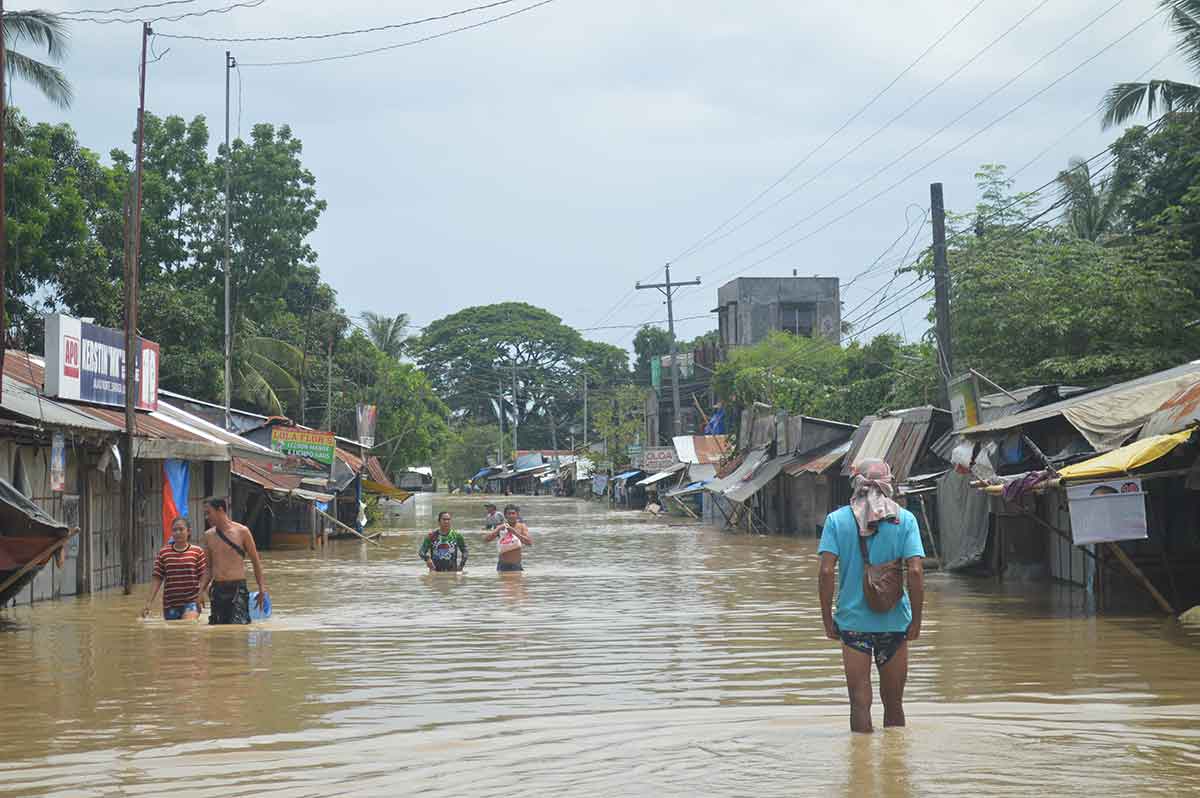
[(1130, 566), (349, 529)]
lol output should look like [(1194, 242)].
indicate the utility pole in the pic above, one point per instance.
[(516, 412), (3, 201), (329, 387), (500, 420), (585, 415), (941, 284), (133, 253), (230, 63), (668, 289)]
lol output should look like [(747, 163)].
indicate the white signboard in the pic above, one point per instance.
[(1107, 512)]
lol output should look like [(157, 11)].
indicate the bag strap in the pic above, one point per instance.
[(862, 546), (229, 542)]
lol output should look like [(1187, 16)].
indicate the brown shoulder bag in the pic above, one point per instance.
[(882, 584)]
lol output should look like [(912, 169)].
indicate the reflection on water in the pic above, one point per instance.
[(633, 656)]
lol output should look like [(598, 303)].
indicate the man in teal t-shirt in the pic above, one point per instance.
[(891, 533)]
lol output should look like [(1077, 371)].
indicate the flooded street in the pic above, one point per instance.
[(632, 657)]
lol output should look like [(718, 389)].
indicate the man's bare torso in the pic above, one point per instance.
[(226, 564)]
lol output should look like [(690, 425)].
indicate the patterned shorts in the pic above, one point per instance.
[(230, 603), (177, 613), (883, 645)]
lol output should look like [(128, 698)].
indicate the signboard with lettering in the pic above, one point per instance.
[(366, 416), (964, 401), (307, 452), (86, 363), (658, 458)]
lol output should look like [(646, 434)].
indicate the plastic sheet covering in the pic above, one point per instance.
[(962, 521), (1127, 458)]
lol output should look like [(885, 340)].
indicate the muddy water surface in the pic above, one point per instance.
[(632, 657)]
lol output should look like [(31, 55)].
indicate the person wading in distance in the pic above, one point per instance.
[(510, 537), (872, 544)]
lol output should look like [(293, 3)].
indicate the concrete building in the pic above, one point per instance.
[(751, 308)]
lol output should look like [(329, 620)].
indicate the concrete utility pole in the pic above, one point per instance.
[(500, 420), (3, 201), (668, 289), (230, 63), (585, 409), (941, 285), (133, 253)]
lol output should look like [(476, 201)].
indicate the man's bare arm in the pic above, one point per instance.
[(252, 553), (206, 580), (825, 581), (916, 594)]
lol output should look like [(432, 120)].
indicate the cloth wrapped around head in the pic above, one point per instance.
[(871, 500)]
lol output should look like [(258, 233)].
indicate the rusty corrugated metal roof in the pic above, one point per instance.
[(901, 447), (820, 462)]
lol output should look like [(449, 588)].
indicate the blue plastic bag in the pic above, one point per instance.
[(257, 614)]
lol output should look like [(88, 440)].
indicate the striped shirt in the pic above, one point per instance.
[(180, 572)]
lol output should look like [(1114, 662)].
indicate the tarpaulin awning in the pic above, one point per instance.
[(688, 490), (482, 472), (1109, 416), (1127, 458), (661, 475), (701, 472), (625, 475), (312, 495), (390, 491)]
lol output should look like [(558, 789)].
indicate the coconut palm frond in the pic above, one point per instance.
[(1185, 24), (49, 80), (42, 28), (1125, 100)]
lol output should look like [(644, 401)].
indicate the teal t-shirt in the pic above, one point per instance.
[(892, 541)]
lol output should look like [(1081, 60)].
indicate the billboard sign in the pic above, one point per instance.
[(306, 452), (86, 363), (658, 458), (964, 401)]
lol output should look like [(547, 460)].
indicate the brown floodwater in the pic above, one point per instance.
[(634, 656)]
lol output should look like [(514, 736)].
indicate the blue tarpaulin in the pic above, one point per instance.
[(626, 475), (482, 472)]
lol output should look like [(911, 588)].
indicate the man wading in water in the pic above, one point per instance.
[(513, 536), (228, 545), (876, 619), (442, 547)]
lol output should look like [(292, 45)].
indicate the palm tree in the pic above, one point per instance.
[(1091, 209), (1124, 100), (387, 332), (267, 371), (45, 30)]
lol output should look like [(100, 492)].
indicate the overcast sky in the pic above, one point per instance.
[(559, 156)]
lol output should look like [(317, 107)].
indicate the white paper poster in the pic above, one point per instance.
[(1107, 512)]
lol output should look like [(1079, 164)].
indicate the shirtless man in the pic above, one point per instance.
[(510, 560), (228, 545)]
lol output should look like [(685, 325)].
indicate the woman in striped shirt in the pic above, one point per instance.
[(178, 571)]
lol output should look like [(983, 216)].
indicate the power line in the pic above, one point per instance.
[(338, 34), (133, 10), (828, 167), (408, 43), (176, 18), (934, 160), (934, 135)]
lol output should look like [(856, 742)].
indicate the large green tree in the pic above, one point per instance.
[(475, 355), (649, 343)]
